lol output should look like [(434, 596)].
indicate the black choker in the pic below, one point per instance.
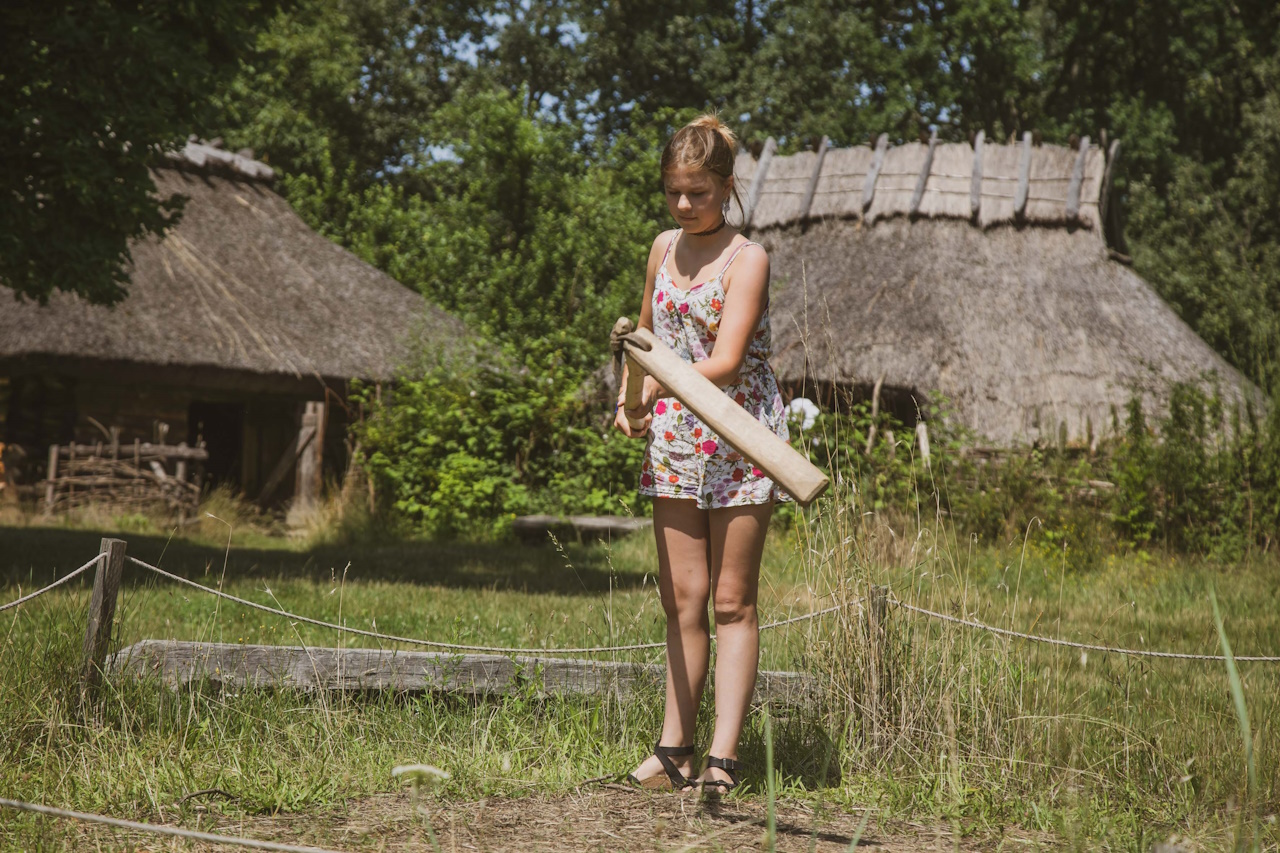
[(709, 231)]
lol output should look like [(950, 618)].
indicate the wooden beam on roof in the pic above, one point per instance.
[(813, 179), (873, 174), (923, 180), (1077, 178), (1104, 196), (757, 181), (1024, 179), (975, 182)]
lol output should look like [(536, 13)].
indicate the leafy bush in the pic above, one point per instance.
[(464, 444), (1202, 480)]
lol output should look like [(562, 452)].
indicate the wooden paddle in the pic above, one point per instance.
[(645, 354)]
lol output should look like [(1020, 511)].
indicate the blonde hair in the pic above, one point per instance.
[(705, 144)]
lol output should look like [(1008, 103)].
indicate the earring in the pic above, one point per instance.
[(724, 208)]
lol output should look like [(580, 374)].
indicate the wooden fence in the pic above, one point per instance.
[(137, 475)]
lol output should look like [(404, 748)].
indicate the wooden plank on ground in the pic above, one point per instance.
[(179, 663), (533, 529)]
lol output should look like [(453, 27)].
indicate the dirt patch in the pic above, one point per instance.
[(593, 819)]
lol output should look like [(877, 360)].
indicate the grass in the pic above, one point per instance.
[(971, 730)]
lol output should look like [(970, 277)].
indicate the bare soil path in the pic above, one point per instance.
[(593, 819)]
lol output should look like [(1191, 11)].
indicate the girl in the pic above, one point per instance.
[(706, 296)]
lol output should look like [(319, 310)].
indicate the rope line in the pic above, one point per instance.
[(163, 830), (59, 582), (1090, 647), (461, 647)]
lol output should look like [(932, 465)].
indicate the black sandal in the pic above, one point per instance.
[(728, 765), (675, 781)]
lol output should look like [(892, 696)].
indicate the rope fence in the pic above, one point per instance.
[(157, 829), (1089, 647), (461, 647), (59, 582), (594, 650)]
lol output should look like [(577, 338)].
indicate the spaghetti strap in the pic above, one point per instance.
[(734, 257), (667, 253)]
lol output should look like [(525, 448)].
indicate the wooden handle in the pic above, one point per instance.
[(779, 460), (635, 390)]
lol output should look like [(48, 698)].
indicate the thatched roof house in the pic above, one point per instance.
[(233, 320), (978, 271)]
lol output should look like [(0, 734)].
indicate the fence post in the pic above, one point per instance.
[(102, 613), (877, 635)]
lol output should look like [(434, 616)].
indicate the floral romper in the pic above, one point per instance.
[(684, 458)]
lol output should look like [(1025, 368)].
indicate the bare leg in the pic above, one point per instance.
[(682, 533), (737, 545)]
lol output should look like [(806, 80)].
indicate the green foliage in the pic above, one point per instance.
[(522, 236), (462, 446), (348, 85), (88, 92), (1202, 480)]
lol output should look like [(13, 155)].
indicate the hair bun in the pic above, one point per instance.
[(712, 122)]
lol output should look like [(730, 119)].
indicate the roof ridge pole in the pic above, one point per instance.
[(757, 180), (869, 189), (1077, 178), (1104, 192), (923, 180), (975, 182), (1024, 177), (813, 180)]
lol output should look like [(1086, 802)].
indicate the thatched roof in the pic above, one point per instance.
[(242, 284), (1025, 322)]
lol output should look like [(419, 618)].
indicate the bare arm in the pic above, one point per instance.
[(656, 252)]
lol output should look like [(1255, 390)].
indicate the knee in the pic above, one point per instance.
[(734, 610), (686, 606)]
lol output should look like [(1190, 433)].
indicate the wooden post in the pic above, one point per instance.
[(180, 474), (49, 488), (137, 464), (923, 180), (975, 182), (102, 613), (922, 435), (875, 413), (310, 473), (877, 612), (1024, 179), (757, 181), (1077, 178), (873, 174), (813, 179)]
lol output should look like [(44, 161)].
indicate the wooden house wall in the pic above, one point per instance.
[(39, 408)]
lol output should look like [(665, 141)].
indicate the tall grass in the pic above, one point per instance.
[(967, 724)]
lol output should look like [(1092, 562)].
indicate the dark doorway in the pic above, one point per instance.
[(221, 427)]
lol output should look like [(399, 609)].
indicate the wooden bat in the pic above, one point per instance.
[(647, 355)]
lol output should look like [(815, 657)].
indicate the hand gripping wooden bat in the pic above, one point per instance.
[(645, 354)]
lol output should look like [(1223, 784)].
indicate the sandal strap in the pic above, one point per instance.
[(728, 765), (665, 754)]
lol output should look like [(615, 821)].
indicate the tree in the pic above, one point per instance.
[(349, 85), (90, 93)]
